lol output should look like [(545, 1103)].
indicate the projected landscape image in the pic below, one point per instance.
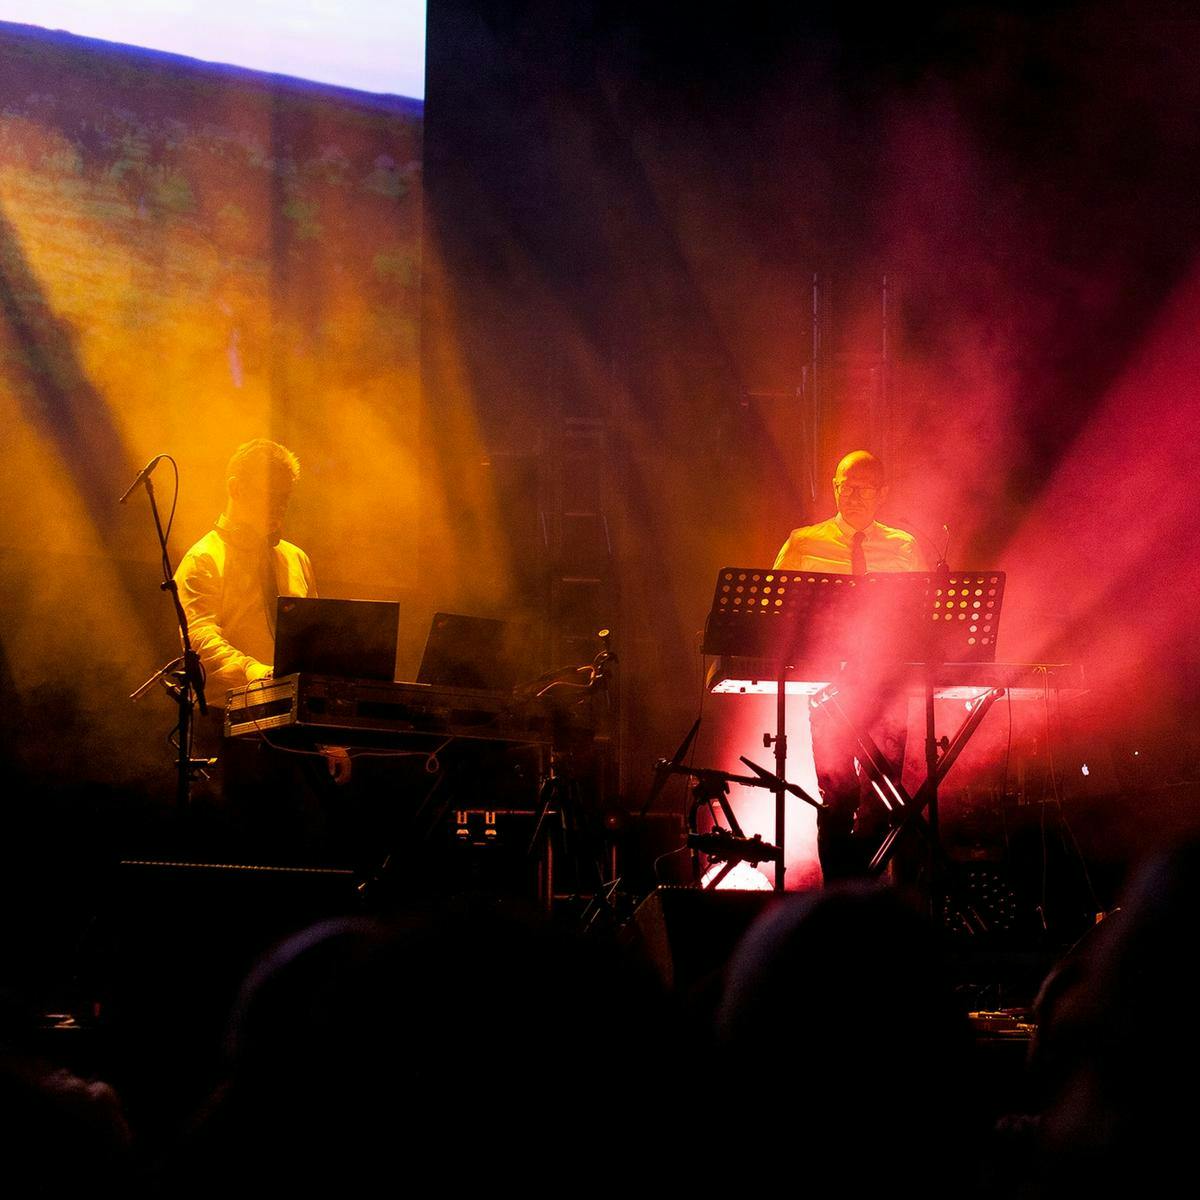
[(190, 256)]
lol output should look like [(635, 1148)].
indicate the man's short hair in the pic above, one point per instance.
[(259, 454)]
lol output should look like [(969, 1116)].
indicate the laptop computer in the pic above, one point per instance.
[(348, 639), (473, 652)]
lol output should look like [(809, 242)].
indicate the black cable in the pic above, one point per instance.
[(174, 497), (668, 854), (163, 548)]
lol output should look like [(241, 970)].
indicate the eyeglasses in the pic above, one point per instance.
[(864, 491)]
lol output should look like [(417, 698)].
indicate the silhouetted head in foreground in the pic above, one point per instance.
[(840, 998), (473, 1044), (1119, 1047)]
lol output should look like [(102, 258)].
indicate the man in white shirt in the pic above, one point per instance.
[(230, 580), (229, 585), (852, 542)]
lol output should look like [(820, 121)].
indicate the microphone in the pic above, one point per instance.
[(942, 562), (143, 475), (943, 566)]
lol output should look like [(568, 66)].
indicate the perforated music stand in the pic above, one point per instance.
[(882, 627), (910, 617)]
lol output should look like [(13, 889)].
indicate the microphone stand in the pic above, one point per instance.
[(189, 686), (561, 790)]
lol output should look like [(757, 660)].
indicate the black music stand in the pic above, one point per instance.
[(888, 627)]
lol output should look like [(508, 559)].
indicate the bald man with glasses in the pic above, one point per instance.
[(853, 542), (833, 545)]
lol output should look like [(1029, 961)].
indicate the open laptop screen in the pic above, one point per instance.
[(473, 652), (349, 639)]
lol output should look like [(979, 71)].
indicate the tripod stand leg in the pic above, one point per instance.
[(913, 816), (871, 757)]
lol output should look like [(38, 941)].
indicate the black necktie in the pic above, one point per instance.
[(270, 586), (858, 556)]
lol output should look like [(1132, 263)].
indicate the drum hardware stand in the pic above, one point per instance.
[(185, 674), (729, 846)]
